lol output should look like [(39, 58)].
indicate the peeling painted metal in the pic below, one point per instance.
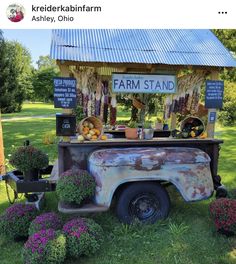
[(187, 168)]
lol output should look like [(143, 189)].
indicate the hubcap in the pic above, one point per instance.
[(144, 206)]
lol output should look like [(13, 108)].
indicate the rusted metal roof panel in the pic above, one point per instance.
[(198, 47)]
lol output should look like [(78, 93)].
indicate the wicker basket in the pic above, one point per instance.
[(193, 121), (138, 104), (95, 121)]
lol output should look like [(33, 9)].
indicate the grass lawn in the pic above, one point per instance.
[(33, 109), (187, 236)]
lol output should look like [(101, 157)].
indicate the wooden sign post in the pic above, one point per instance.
[(212, 112), (64, 69)]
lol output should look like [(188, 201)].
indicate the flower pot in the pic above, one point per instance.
[(131, 133), (31, 175), (148, 133)]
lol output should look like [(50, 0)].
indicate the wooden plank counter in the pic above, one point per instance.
[(76, 153)]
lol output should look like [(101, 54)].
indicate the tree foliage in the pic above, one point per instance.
[(228, 38), (15, 75), (227, 115), (43, 78)]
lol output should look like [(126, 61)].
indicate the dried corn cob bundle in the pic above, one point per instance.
[(98, 98), (89, 106), (181, 103), (106, 101), (113, 110), (102, 108), (93, 102)]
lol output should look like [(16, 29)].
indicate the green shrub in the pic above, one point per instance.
[(74, 186), (83, 236), (45, 247), (45, 221), (227, 116), (16, 219)]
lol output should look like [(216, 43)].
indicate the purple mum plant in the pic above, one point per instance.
[(15, 221), (74, 186), (45, 221), (83, 237), (45, 247)]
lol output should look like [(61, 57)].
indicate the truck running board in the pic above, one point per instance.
[(87, 208)]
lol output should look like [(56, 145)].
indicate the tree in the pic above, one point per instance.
[(228, 38), (15, 76), (43, 78), (2, 169)]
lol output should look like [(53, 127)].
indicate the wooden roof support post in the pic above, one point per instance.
[(2, 160), (64, 70), (210, 125)]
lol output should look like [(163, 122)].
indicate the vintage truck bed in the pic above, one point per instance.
[(76, 154)]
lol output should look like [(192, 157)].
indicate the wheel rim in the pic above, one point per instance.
[(144, 207)]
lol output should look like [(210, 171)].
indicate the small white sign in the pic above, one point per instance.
[(143, 83)]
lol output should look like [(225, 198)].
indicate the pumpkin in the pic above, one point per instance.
[(103, 137)]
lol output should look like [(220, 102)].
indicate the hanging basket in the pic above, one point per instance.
[(138, 104), (192, 124), (97, 125)]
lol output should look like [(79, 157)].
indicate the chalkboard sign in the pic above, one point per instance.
[(64, 92), (65, 125), (214, 94)]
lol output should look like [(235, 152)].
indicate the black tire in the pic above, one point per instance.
[(145, 202)]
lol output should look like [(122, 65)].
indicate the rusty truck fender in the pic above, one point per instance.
[(186, 168)]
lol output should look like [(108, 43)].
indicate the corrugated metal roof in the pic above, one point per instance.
[(150, 46)]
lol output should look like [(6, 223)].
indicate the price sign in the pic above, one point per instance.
[(64, 92), (214, 94)]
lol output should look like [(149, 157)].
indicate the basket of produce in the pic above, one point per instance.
[(90, 128), (192, 127), (138, 104)]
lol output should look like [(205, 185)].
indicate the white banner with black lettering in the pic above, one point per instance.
[(143, 83)]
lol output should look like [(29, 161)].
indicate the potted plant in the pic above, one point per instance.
[(29, 160), (148, 131), (131, 132), (159, 124), (75, 186)]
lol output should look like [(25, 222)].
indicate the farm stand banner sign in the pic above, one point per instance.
[(143, 83)]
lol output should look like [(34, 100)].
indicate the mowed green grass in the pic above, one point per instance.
[(187, 236), (33, 109)]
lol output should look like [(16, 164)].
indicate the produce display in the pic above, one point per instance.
[(89, 131), (95, 95), (191, 127), (188, 98), (90, 128)]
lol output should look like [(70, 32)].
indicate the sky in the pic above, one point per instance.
[(37, 41)]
